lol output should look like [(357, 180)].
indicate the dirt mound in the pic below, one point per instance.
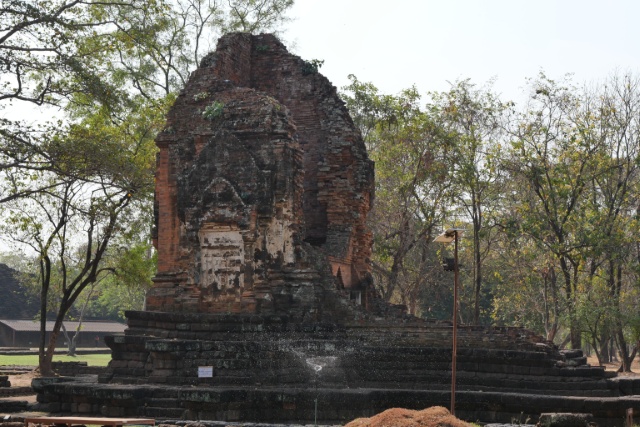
[(436, 416)]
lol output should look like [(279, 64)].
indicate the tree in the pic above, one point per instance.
[(46, 62), (574, 161), (613, 115), (412, 176), (253, 16), (527, 292), (156, 56), (37, 48), (70, 225), (554, 161), (132, 264), (72, 340), (475, 117)]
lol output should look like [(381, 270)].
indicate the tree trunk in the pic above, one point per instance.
[(46, 366), (73, 341), (73, 344), (574, 331), (623, 350), (564, 342), (576, 338), (550, 315), (71, 348), (478, 284), (603, 355), (594, 344), (477, 226), (44, 363)]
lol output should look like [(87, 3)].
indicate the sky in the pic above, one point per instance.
[(432, 43)]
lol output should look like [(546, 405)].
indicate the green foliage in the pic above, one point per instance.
[(412, 176), (255, 16), (475, 118), (132, 265), (547, 194), (312, 66), (213, 110)]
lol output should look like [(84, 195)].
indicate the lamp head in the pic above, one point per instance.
[(449, 235)]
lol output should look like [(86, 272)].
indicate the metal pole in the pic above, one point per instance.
[(455, 325), (315, 403)]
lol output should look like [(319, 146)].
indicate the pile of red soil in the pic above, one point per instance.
[(436, 416)]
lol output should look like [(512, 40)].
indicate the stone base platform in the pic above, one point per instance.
[(267, 369), (296, 405)]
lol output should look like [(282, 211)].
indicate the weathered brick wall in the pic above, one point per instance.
[(229, 193), (237, 194), (338, 176)]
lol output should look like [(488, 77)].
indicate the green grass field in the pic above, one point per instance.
[(32, 360)]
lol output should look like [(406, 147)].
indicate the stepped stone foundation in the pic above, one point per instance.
[(263, 307)]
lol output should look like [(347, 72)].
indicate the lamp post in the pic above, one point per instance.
[(448, 236)]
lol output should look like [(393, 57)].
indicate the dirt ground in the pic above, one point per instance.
[(22, 380), (635, 366)]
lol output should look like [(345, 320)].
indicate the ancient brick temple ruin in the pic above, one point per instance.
[(264, 193), (262, 308)]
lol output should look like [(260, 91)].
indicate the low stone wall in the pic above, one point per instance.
[(4, 381), (71, 369), (12, 406), (16, 391), (15, 369)]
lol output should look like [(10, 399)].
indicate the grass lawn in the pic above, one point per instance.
[(32, 360)]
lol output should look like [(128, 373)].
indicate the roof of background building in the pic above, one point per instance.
[(87, 326)]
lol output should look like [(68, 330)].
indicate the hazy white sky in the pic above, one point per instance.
[(395, 44)]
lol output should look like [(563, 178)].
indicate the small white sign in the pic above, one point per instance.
[(205, 371)]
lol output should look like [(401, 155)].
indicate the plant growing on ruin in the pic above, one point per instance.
[(312, 66), (200, 96), (213, 110)]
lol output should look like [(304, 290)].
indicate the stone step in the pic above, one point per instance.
[(161, 412), (15, 370), (16, 391), (572, 354), (12, 406)]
